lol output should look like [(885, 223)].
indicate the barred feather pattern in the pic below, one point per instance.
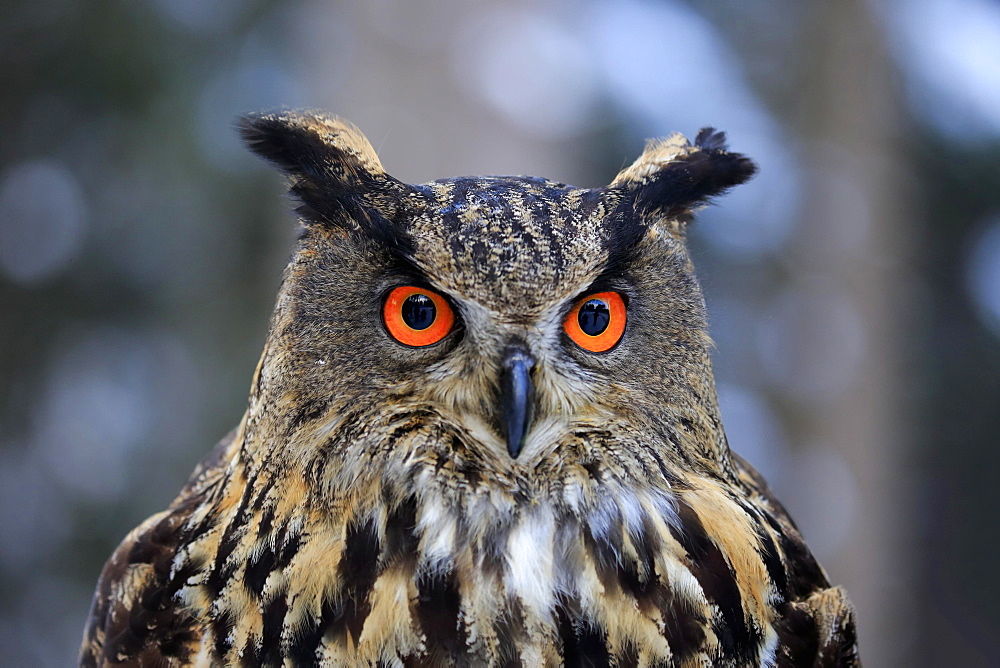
[(418, 568)]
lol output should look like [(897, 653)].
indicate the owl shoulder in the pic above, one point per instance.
[(134, 618), (816, 622)]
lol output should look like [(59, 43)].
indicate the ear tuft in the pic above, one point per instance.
[(335, 174), (311, 145), (709, 138), (673, 176)]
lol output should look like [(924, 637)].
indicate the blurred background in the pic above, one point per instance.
[(853, 286)]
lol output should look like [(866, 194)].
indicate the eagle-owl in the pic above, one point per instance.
[(483, 431)]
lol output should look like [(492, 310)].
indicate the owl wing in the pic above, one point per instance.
[(133, 617), (815, 624)]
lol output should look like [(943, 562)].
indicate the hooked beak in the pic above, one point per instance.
[(517, 397)]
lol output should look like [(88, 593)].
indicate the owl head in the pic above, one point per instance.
[(505, 330)]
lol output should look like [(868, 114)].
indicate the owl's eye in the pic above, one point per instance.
[(597, 322), (417, 316)]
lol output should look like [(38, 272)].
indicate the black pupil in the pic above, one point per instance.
[(594, 317), (419, 312)]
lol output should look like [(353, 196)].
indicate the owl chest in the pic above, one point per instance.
[(431, 585)]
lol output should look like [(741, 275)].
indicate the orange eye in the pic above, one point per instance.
[(417, 316), (597, 321)]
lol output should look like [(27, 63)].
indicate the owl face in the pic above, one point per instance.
[(515, 315)]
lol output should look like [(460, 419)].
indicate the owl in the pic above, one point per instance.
[(483, 431)]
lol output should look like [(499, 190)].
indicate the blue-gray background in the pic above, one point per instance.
[(854, 286)]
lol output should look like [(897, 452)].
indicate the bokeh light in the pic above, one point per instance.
[(983, 272), (42, 220), (949, 50)]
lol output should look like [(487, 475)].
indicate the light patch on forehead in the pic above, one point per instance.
[(513, 245)]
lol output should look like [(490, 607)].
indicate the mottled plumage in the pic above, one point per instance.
[(373, 506)]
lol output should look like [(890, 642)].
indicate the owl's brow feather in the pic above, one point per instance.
[(351, 210), (625, 229)]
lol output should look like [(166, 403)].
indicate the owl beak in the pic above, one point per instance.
[(517, 397)]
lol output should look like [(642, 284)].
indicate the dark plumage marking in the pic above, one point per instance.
[(262, 496), (593, 469), (331, 183), (437, 610), (273, 622), (639, 577), (628, 656), (401, 538), (223, 569), (647, 545), (304, 645), (490, 551), (266, 522), (358, 573), (678, 448), (346, 612), (717, 580), (150, 619), (624, 230), (509, 630), (772, 560), (310, 410), (684, 628), (346, 209), (222, 625), (582, 643), (264, 560), (409, 422), (471, 472), (804, 640), (842, 649), (174, 641), (689, 180), (290, 545), (804, 575), (798, 640), (603, 539), (668, 474), (293, 149), (261, 565)]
